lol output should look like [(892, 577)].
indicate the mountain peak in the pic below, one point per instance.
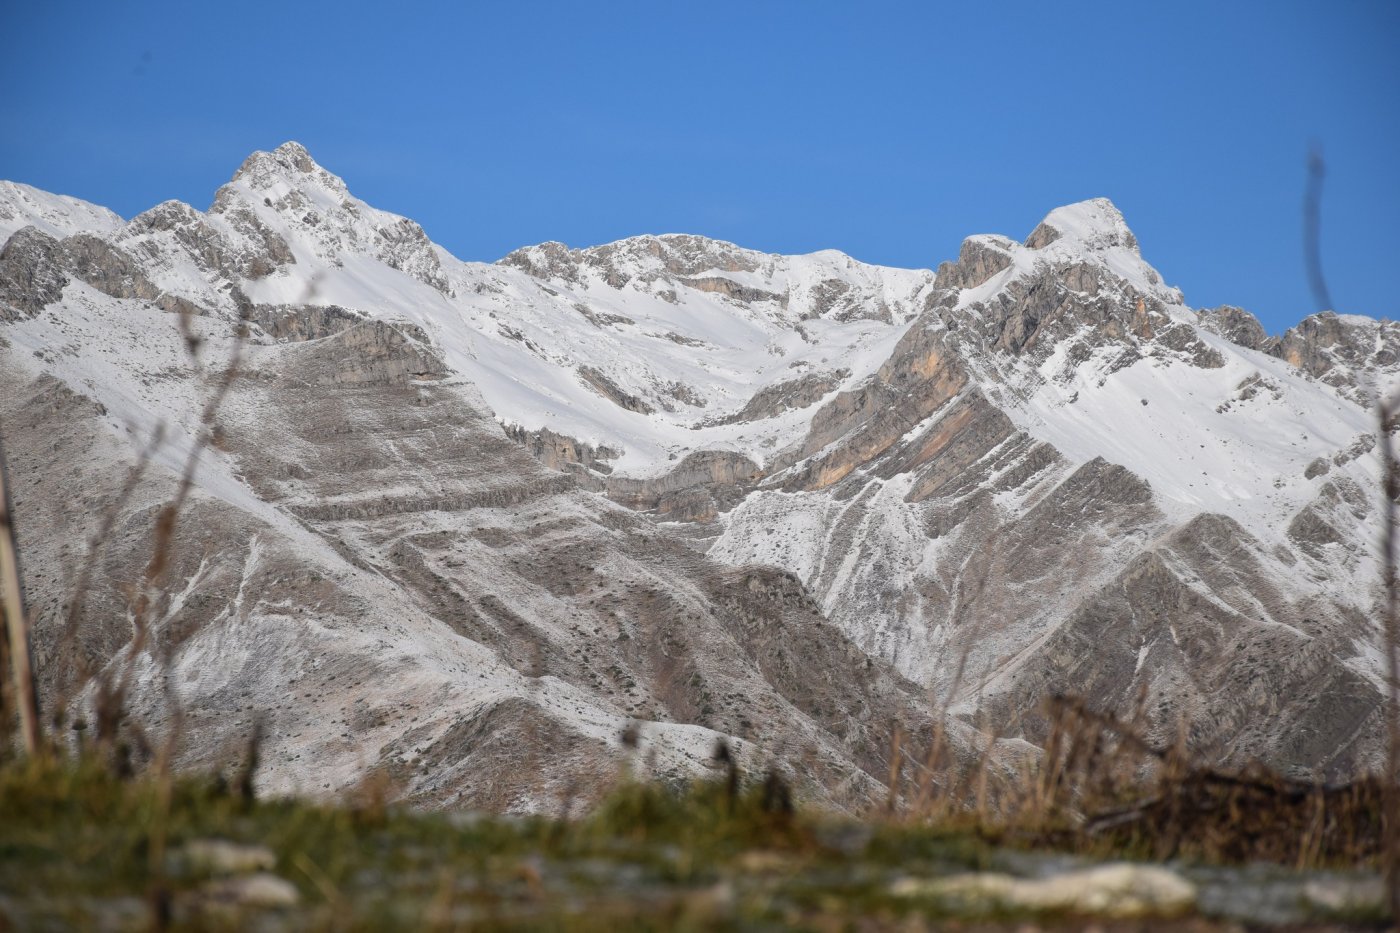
[(289, 163), (1094, 224), (1046, 427)]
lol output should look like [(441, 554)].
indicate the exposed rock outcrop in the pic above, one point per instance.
[(979, 259), (1358, 356), (701, 486), (1236, 325), (773, 400), (782, 500), (920, 376), (31, 274), (559, 452), (614, 393)]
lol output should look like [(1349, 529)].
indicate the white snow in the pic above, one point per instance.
[(1189, 431), (55, 214), (521, 340)]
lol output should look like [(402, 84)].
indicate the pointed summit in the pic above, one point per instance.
[(287, 192), (290, 164), (1094, 224)]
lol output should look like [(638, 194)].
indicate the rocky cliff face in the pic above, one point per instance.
[(1061, 482), (375, 570), (1358, 356), (464, 522)]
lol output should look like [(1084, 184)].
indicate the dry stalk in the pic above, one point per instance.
[(983, 759), (1312, 230), (924, 801), (25, 693), (82, 672), (929, 799), (1390, 628), (149, 594), (896, 740), (7, 704), (1390, 484)]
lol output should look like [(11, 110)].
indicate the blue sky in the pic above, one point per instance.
[(887, 130)]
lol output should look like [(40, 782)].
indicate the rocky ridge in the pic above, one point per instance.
[(842, 496)]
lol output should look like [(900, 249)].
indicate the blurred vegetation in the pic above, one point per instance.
[(76, 844)]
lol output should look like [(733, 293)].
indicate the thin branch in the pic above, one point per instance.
[(1390, 628), (1312, 231), (152, 586), (26, 693), (82, 669)]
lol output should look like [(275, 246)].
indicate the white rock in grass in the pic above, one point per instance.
[(221, 857), (1116, 890), (261, 890), (1343, 895)]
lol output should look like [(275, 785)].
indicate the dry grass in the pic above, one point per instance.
[(731, 853), (1100, 789)]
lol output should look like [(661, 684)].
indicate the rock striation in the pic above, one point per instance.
[(463, 523)]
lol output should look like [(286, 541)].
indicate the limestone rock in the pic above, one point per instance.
[(222, 857), (1113, 891), (31, 274), (781, 500), (1358, 356), (979, 259), (260, 891), (1236, 325)]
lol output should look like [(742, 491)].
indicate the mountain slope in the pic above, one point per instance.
[(1059, 456), (1036, 470), (370, 566)]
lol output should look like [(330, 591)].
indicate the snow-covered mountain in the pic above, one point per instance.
[(791, 500)]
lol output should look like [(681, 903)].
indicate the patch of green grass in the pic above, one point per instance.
[(701, 855), (76, 843)]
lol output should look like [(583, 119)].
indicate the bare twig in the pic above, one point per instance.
[(1390, 628), (1312, 231), (152, 587), (82, 671), (896, 739)]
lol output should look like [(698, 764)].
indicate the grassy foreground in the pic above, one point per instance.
[(83, 849)]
